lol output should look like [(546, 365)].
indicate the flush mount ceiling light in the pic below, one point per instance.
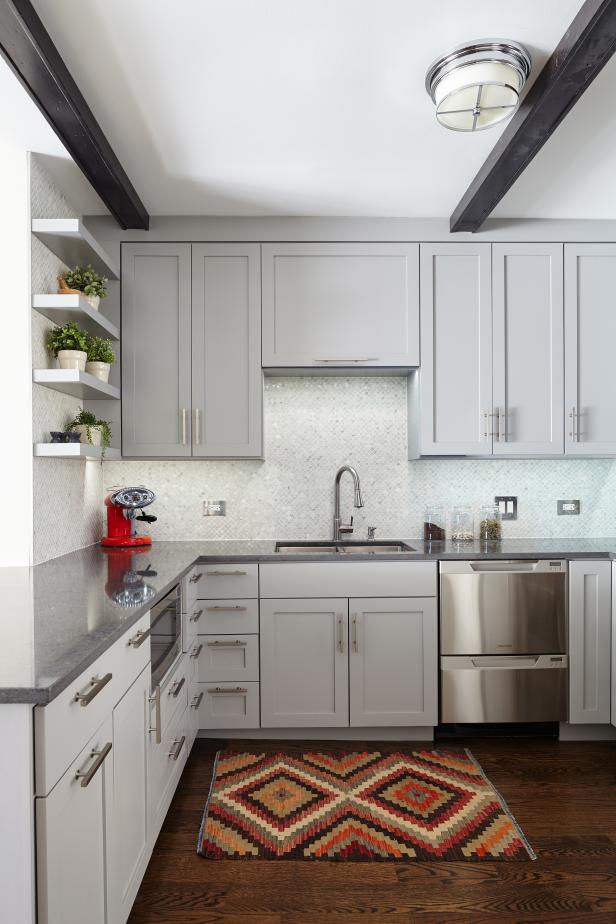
[(478, 84)]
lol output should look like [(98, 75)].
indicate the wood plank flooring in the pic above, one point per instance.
[(562, 794)]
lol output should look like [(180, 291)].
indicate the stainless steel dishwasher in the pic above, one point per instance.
[(503, 641)]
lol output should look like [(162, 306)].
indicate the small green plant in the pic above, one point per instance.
[(99, 350), (87, 280), (90, 421), (67, 337)]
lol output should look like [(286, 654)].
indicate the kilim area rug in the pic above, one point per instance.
[(431, 804)]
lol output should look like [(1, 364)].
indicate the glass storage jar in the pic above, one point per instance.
[(434, 525), (490, 523), (462, 524)]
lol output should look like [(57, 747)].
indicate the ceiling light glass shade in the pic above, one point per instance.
[(478, 84)]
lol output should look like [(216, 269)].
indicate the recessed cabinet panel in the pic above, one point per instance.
[(528, 354), (156, 311), (340, 305), (590, 615), (227, 386), (456, 350), (590, 335)]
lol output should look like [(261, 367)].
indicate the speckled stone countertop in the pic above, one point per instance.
[(58, 617)]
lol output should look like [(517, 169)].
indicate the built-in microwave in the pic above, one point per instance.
[(165, 633)]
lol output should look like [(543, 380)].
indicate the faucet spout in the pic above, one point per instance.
[(340, 527)]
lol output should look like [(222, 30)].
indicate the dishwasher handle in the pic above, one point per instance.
[(503, 662), (508, 567)]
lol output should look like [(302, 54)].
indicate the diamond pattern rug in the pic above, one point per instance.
[(427, 805)]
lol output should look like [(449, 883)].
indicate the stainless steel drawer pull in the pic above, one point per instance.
[(226, 573), (196, 651), (340, 640), (226, 609), (355, 640), (195, 578), (157, 729), (233, 691), (197, 701), (174, 753), (348, 359), (574, 430), (97, 684), (176, 686), (137, 640), (236, 643), (196, 616), (197, 426), (86, 776), (183, 425)]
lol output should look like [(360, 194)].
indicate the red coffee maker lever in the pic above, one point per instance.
[(122, 505)]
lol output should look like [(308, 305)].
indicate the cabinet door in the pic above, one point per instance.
[(227, 381), (590, 334), (156, 350), (613, 710), (304, 663), (71, 828), (590, 614), (528, 354), (340, 305), (393, 658), (456, 350), (128, 843)]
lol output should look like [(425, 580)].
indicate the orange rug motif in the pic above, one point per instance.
[(431, 804)]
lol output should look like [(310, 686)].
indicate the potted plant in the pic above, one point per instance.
[(86, 280), (68, 344), (100, 356), (93, 431)]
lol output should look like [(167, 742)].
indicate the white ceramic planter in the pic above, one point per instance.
[(99, 370), (95, 435), (72, 359), (94, 301)]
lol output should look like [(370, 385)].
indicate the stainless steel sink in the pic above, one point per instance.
[(342, 548)]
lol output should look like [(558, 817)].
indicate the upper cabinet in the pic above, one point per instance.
[(456, 350), (527, 349), (340, 305), (191, 360), (590, 334)]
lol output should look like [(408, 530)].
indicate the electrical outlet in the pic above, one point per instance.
[(214, 508), (508, 506), (570, 508)]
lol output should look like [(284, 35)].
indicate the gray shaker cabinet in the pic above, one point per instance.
[(528, 353), (456, 350), (590, 654), (335, 305), (590, 335), (156, 312), (227, 381)]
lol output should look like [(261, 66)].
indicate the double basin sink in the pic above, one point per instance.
[(342, 548)]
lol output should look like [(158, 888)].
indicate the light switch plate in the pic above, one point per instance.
[(568, 508), (508, 506), (214, 508)]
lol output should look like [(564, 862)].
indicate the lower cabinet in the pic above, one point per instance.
[(359, 662), (72, 824), (393, 657), (590, 615)]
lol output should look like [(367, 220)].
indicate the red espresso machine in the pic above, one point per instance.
[(122, 505)]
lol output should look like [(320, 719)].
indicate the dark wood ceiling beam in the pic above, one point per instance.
[(34, 59), (583, 51)]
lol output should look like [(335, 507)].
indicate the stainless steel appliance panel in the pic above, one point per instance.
[(503, 607), (504, 689), (165, 633)]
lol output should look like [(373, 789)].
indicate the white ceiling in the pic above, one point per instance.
[(316, 107)]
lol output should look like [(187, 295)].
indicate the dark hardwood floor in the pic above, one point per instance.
[(563, 796)]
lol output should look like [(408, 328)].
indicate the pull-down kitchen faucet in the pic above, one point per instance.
[(340, 527)]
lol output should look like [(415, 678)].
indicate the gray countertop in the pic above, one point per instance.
[(58, 617)]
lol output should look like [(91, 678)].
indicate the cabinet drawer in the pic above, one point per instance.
[(228, 657), (349, 579), (227, 581), (229, 705), (166, 762), (174, 694), (190, 583), (228, 617), (63, 727)]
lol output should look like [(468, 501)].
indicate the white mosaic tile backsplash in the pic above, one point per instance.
[(67, 493), (315, 424)]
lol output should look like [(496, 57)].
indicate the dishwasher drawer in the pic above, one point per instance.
[(504, 688)]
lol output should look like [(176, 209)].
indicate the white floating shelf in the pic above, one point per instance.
[(74, 451), (70, 240), (78, 384), (63, 308)]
